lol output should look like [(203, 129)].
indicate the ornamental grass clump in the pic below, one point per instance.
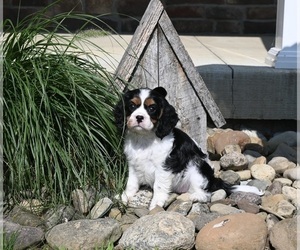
[(59, 132)]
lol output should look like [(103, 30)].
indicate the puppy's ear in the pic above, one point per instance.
[(119, 113), (161, 91), (167, 121)]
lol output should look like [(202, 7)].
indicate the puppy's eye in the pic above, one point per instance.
[(152, 108), (132, 106)]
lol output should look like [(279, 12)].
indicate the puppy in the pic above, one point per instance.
[(160, 155)]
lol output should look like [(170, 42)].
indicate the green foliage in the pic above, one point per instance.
[(59, 132)]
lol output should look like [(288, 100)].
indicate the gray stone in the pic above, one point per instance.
[(284, 181), (292, 174), (284, 151), (275, 188), (280, 164), (59, 215), (140, 212), (251, 155), (218, 195), (164, 230), (179, 206), (263, 172), (201, 220), (291, 194), (284, 234), (230, 177), (271, 220), (101, 208), (224, 209), (285, 209), (22, 236), (84, 234), (288, 137), (26, 218), (83, 199), (141, 199), (296, 184), (247, 206), (199, 208), (260, 184), (233, 161), (250, 197)]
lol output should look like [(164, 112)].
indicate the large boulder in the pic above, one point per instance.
[(84, 234), (242, 231), (163, 230)]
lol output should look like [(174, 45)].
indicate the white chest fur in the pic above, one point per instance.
[(146, 155)]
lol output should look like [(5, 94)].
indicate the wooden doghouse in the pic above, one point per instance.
[(157, 57)]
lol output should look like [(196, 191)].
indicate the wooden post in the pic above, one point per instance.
[(284, 55)]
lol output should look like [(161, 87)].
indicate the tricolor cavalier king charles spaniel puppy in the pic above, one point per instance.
[(160, 155)]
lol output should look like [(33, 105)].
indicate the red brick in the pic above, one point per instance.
[(132, 8), (68, 5), (259, 27), (30, 2), (99, 6), (262, 13), (229, 27), (224, 13), (186, 11), (170, 2), (256, 2), (193, 26)]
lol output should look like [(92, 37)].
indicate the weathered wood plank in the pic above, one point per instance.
[(146, 73), (139, 41), (189, 68), (180, 93)]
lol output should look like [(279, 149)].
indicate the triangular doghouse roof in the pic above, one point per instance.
[(155, 17)]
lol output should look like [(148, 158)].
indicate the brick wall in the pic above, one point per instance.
[(212, 17)]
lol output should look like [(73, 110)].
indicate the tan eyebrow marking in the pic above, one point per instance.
[(136, 100), (149, 101)]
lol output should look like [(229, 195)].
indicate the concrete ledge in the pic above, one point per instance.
[(247, 92)]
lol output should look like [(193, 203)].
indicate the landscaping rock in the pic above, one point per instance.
[(83, 200), (237, 231), (233, 161), (230, 177), (218, 195), (288, 138), (263, 172), (101, 208), (22, 236), (84, 234), (24, 217), (284, 151), (284, 234), (250, 197), (141, 199), (164, 230), (224, 209), (244, 175), (292, 174), (218, 141), (280, 164), (179, 206), (59, 215)]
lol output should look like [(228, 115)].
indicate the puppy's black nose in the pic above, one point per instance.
[(139, 118)]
